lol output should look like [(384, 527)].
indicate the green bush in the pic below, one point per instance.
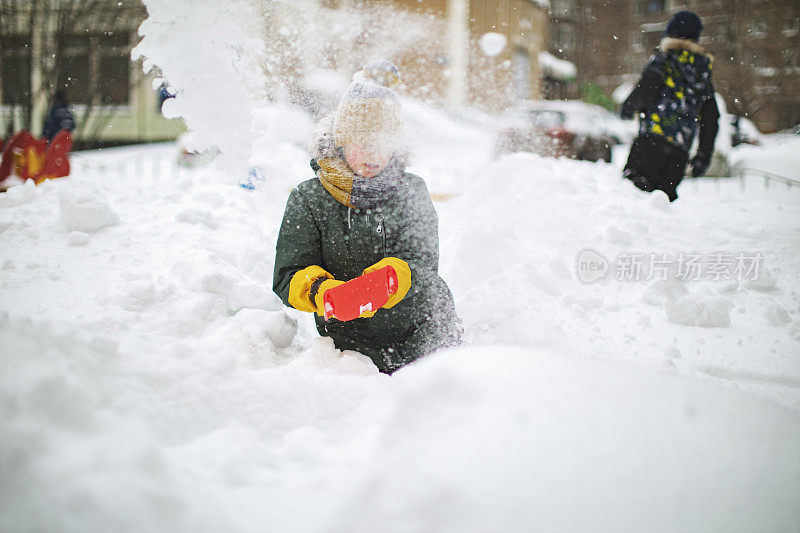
[(593, 94)]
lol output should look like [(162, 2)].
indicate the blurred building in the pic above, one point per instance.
[(474, 74), (755, 43), (565, 40), (82, 48), (438, 46)]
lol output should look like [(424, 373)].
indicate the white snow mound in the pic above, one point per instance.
[(504, 439), (84, 208)]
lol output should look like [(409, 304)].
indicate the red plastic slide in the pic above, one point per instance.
[(32, 158), (56, 163)]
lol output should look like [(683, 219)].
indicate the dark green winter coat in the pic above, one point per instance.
[(318, 230)]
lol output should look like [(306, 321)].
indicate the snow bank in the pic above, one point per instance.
[(102, 434), (22, 193), (150, 380), (779, 156), (514, 236), (503, 439)]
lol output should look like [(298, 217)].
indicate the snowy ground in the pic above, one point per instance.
[(152, 382)]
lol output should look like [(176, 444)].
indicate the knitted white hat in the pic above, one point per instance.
[(369, 111)]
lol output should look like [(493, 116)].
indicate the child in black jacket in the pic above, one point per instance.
[(674, 94)]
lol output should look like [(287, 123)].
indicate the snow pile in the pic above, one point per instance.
[(20, 194), (779, 156), (178, 393), (503, 439), (699, 311), (84, 209), (88, 422), (150, 380), (511, 242), (724, 139)]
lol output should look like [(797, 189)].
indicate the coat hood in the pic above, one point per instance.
[(669, 44)]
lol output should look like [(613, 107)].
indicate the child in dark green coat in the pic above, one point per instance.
[(362, 212)]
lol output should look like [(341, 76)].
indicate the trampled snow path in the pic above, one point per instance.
[(152, 382)]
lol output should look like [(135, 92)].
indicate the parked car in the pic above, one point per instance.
[(556, 128)]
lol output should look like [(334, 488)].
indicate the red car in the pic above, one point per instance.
[(555, 128)]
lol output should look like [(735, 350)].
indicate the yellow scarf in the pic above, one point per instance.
[(337, 178), (352, 190)]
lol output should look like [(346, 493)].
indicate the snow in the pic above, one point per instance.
[(151, 381), (151, 378), (430, 132), (218, 79), (621, 93), (492, 43), (519, 411), (779, 156), (84, 209), (699, 311), (557, 68), (77, 238), (326, 81)]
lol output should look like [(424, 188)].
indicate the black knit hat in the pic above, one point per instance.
[(684, 25)]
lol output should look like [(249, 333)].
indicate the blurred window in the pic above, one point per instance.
[(73, 77), (653, 6), (113, 65), (15, 81), (758, 28), (95, 65), (114, 74), (74, 68), (791, 26)]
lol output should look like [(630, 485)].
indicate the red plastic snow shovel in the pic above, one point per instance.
[(365, 293)]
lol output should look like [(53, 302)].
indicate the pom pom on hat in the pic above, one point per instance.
[(382, 72), (369, 111)]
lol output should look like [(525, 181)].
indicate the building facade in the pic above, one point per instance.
[(565, 40), (84, 51), (435, 43), (755, 43)]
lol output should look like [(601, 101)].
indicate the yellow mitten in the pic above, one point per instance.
[(319, 297), (403, 272), (300, 288)]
